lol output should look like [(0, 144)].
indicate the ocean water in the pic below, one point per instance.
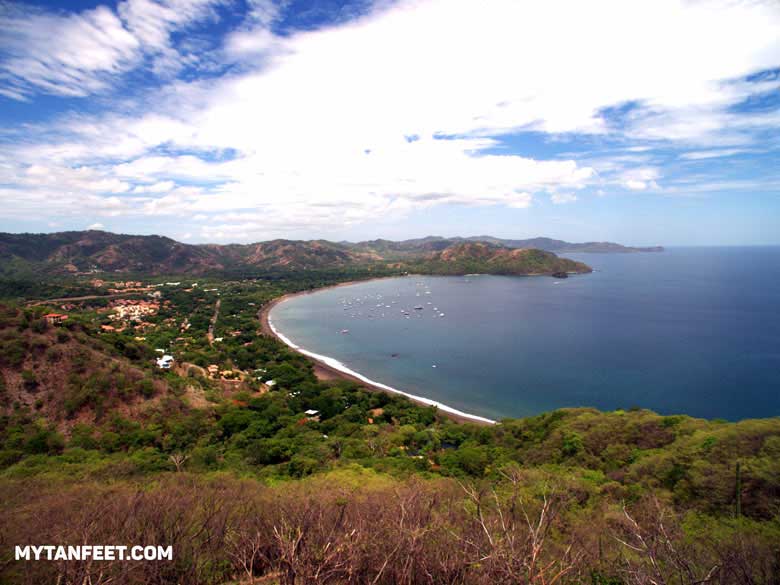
[(688, 331)]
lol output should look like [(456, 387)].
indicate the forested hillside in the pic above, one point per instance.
[(478, 257)]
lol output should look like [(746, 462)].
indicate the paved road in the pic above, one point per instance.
[(210, 334), (86, 298)]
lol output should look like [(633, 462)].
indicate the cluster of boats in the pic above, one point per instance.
[(357, 306)]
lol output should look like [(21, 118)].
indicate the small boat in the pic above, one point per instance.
[(418, 308), (344, 331)]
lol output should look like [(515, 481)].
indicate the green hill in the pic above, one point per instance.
[(479, 257)]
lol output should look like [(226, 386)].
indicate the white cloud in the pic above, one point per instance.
[(640, 179), (702, 126), (561, 198), (96, 226), (152, 22), (635, 185), (71, 55), (312, 129), (84, 53), (708, 154), (159, 187), (704, 187)]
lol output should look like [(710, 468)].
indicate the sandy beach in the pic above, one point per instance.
[(325, 371)]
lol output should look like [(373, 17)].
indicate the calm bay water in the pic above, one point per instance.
[(691, 330)]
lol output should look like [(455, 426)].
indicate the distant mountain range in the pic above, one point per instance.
[(389, 248), (81, 251), (98, 250)]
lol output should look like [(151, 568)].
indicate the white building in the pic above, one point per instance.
[(165, 362)]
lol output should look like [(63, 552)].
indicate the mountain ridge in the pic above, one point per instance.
[(95, 250)]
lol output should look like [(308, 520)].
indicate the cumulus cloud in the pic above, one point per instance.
[(314, 127), (96, 226), (640, 179)]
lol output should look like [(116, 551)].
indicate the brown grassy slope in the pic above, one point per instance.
[(528, 528), (67, 376)]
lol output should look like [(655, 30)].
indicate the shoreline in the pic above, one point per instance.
[(328, 368)]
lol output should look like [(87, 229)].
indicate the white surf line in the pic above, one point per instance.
[(337, 365)]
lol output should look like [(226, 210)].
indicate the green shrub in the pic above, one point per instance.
[(9, 456), (146, 387), (572, 444)]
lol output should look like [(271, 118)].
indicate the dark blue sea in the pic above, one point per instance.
[(687, 331)]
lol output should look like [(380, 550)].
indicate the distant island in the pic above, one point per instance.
[(95, 251)]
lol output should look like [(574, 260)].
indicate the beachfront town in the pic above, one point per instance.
[(210, 330)]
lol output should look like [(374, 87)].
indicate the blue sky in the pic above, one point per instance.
[(237, 120)]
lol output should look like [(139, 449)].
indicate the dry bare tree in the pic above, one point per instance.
[(653, 554), (512, 537), (178, 460)]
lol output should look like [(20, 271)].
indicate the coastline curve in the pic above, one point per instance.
[(338, 369)]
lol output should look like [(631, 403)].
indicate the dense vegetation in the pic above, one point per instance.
[(99, 445)]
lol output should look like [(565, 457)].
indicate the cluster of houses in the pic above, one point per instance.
[(119, 286), (133, 310), (215, 372)]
